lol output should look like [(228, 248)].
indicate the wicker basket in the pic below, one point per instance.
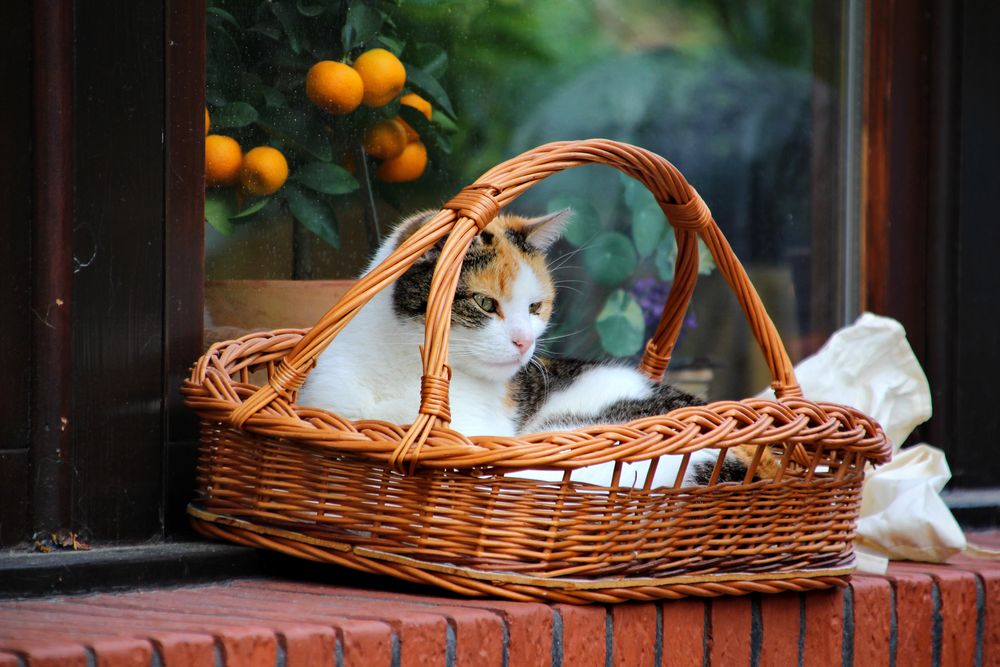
[(427, 504)]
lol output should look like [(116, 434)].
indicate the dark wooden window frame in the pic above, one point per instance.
[(104, 266), (931, 174)]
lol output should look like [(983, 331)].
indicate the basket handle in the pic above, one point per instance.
[(475, 207)]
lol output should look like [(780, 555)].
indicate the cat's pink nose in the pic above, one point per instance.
[(522, 343)]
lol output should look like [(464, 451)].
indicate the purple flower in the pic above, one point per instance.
[(651, 294)]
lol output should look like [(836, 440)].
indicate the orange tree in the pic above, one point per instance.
[(308, 88)]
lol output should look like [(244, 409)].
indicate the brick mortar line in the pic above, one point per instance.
[(756, 630), (609, 638), (802, 630), (281, 650), (505, 636), (338, 648), (980, 618), (658, 645), (557, 638), (395, 647), (449, 643), (893, 624), (937, 622), (847, 625), (706, 636)]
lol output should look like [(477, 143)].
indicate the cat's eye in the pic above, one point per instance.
[(486, 303), (535, 307)]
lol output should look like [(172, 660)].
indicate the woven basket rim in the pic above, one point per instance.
[(682, 428)]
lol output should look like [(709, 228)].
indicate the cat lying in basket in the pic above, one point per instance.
[(499, 386)]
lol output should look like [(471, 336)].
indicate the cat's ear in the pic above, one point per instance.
[(545, 230), (410, 225)]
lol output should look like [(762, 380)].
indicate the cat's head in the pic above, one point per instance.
[(504, 297)]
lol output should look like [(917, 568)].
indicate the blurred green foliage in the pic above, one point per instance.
[(720, 87)]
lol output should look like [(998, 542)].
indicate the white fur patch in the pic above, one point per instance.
[(594, 390)]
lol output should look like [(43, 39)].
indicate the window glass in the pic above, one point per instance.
[(744, 98)]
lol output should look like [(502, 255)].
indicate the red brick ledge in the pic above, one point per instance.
[(916, 615)]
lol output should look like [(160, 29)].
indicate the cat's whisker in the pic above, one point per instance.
[(548, 339)]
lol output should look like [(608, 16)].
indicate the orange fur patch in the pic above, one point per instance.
[(496, 279), (767, 467)]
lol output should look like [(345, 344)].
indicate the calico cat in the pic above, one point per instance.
[(498, 386), (502, 304)]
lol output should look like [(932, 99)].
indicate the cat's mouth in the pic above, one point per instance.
[(506, 368)]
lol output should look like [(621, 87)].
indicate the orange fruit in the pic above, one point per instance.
[(385, 139), (421, 105), (208, 121), (418, 103), (407, 166), (223, 157), (264, 171), (334, 87), (411, 134), (382, 74)]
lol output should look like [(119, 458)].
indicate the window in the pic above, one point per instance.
[(745, 99)]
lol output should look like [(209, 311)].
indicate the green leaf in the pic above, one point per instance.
[(609, 258), (443, 121), (299, 127), (273, 97), (665, 259), (330, 179), (268, 29), (637, 197), (309, 10), (291, 23), (585, 223), (215, 98), (363, 23), (429, 133), (620, 324), (427, 85), (648, 225), (252, 209), (220, 206), (706, 263), (432, 58), (224, 16), (314, 214), (236, 114), (390, 44)]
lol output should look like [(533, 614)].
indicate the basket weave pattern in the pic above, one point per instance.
[(428, 504)]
